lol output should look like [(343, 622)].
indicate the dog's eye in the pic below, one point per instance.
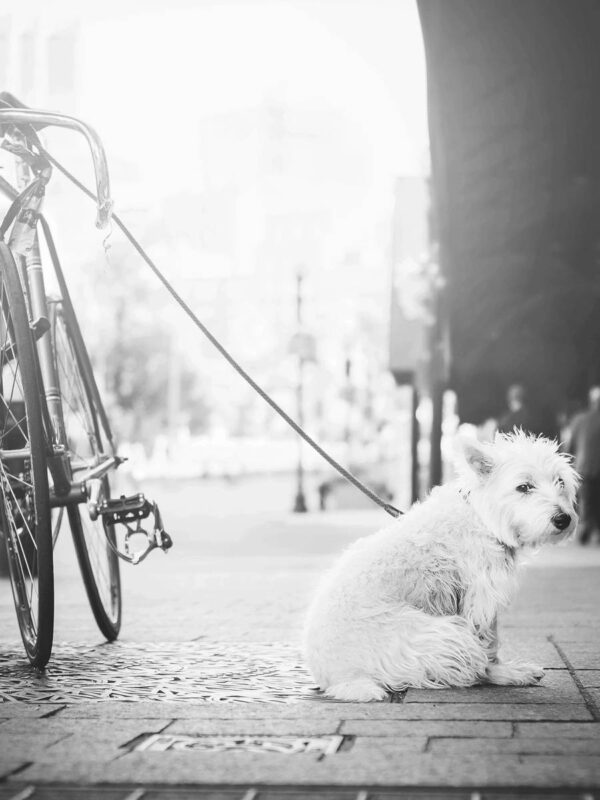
[(524, 488), (561, 483)]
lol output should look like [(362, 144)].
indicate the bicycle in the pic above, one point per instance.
[(57, 449)]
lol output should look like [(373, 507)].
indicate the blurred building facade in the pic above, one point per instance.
[(39, 56), (515, 132)]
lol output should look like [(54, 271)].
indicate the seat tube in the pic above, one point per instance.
[(39, 309)]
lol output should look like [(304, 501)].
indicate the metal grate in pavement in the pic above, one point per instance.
[(198, 671), (288, 745)]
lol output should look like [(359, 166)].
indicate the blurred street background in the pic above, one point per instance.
[(264, 153)]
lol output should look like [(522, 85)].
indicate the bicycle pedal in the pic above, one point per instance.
[(130, 511), (126, 509)]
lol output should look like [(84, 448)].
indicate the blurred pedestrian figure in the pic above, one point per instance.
[(518, 415), (584, 445), (532, 418)]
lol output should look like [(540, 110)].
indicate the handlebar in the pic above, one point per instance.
[(26, 116)]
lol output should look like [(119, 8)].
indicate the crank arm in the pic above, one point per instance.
[(105, 466)]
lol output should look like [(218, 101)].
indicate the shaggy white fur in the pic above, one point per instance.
[(416, 603)]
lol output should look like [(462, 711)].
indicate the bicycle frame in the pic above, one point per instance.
[(73, 484), (24, 242), (35, 274)]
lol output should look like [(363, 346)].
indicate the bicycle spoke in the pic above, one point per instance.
[(72, 390), (77, 404), (10, 412), (7, 484), (17, 423), (16, 426), (98, 560), (20, 558), (25, 582), (20, 480)]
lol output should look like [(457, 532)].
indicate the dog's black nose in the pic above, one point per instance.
[(561, 521)]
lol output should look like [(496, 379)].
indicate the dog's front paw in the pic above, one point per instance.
[(362, 690), (514, 673)]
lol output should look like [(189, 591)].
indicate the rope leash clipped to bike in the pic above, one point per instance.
[(349, 476)]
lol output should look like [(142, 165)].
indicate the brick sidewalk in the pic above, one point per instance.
[(242, 682)]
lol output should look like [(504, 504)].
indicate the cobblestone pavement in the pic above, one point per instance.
[(206, 686)]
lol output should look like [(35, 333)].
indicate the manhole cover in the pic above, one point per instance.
[(291, 745)]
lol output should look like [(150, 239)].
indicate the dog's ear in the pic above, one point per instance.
[(476, 455)]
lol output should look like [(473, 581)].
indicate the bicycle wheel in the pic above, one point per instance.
[(98, 562), (24, 495)]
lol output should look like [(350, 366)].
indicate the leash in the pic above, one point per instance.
[(388, 507)]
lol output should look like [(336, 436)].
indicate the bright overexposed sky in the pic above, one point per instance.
[(150, 70), (181, 93)]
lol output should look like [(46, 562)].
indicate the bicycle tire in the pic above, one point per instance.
[(93, 539), (24, 493)]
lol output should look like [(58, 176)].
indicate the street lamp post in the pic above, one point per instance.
[(300, 499)]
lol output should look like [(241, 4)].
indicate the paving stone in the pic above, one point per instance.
[(46, 740), (595, 696), (537, 651), (559, 730), (328, 711), (590, 678), (316, 794), (375, 768), (263, 727), (12, 710), (313, 709), (579, 627), (79, 747), (557, 686), (522, 746), (10, 765), (177, 767), (469, 770), (102, 728), (388, 745), (581, 656), (372, 727), (105, 740), (237, 794), (28, 746), (583, 632), (498, 694), (491, 711)]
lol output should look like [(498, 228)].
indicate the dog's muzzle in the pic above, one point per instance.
[(561, 521)]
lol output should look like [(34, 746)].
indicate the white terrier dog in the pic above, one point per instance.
[(415, 604)]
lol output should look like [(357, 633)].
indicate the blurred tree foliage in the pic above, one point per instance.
[(133, 334)]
